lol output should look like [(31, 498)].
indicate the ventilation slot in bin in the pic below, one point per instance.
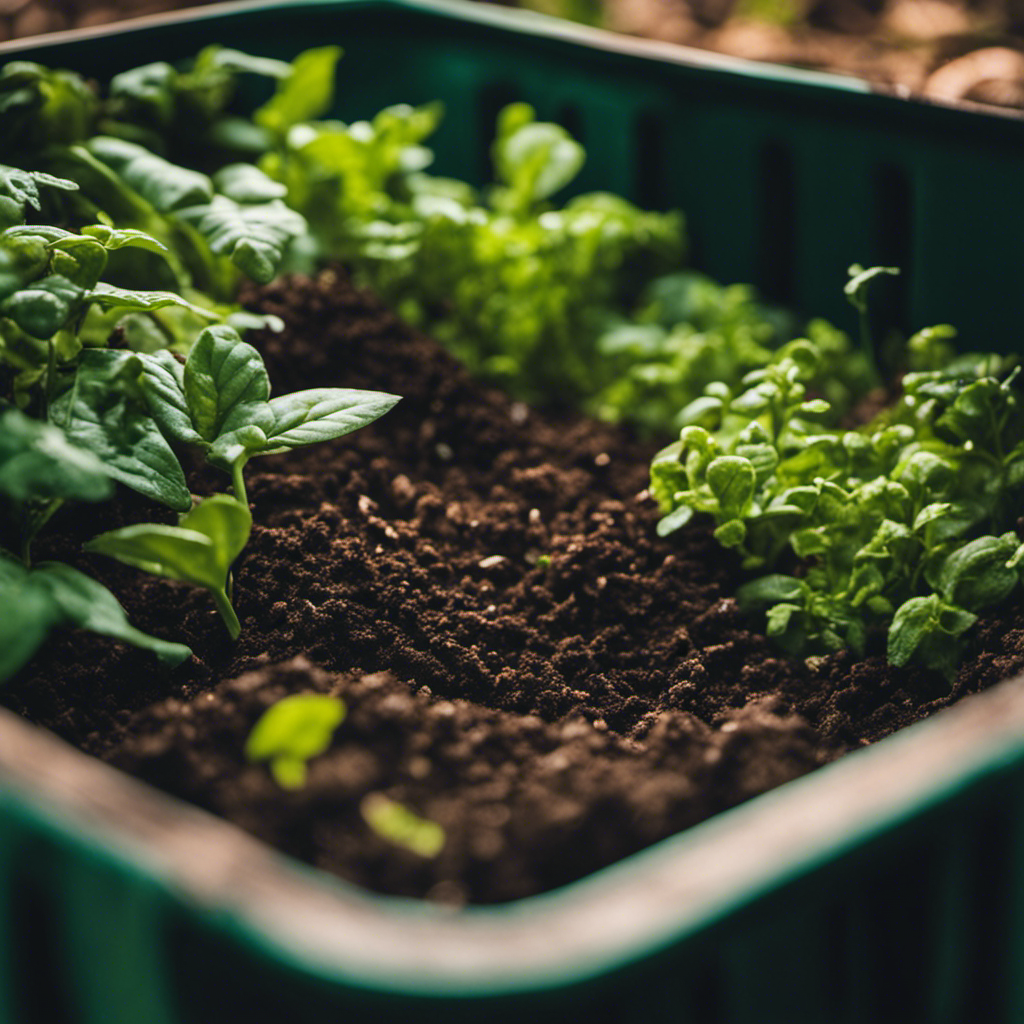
[(776, 246), (893, 228)]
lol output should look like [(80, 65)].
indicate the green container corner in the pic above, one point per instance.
[(886, 887)]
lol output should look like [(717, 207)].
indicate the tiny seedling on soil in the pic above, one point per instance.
[(292, 732)]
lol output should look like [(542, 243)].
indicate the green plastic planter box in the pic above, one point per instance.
[(888, 887)]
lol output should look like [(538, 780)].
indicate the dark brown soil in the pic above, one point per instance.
[(552, 717)]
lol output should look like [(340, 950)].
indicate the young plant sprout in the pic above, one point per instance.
[(220, 401), (292, 732), (200, 550), (397, 824)]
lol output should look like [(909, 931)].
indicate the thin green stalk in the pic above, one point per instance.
[(51, 373), (227, 613), (867, 344), (238, 483)]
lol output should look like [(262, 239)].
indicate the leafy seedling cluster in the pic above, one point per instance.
[(903, 524)]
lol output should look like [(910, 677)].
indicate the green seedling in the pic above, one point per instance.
[(397, 824), (200, 550), (903, 525), (292, 732), (220, 401)]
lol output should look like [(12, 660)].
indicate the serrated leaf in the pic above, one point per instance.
[(254, 237)]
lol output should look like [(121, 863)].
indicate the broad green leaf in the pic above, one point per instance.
[(927, 630), (121, 238), (163, 383), (397, 824), (108, 296), (538, 159), (199, 551), (292, 732), (322, 414), (55, 595), (87, 604), (42, 308), (19, 189), (732, 481), (246, 183), (976, 576), (306, 93), (731, 534), (163, 184), (104, 412), (768, 590), (37, 463), (222, 374)]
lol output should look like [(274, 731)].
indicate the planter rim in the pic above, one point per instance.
[(636, 907)]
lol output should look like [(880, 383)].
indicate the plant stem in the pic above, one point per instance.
[(238, 482), (51, 373), (866, 342), (227, 613)]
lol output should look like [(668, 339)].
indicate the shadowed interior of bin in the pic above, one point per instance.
[(782, 188)]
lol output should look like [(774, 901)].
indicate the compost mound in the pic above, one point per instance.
[(523, 659)]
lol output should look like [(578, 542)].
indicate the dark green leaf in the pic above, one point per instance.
[(38, 463), (222, 374), (164, 185), (103, 411)]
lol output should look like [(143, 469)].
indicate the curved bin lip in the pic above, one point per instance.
[(645, 903)]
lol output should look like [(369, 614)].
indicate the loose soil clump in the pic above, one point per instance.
[(524, 660)]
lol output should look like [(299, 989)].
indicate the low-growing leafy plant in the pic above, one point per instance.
[(219, 401), (903, 524), (292, 732)]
